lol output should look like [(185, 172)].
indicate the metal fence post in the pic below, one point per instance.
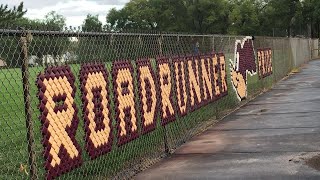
[(213, 49), (165, 140), (160, 45), (24, 39)]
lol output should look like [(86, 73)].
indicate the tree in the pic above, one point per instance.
[(167, 12), (54, 21), (51, 45), (40, 45), (11, 15), (311, 17), (92, 48), (283, 14), (92, 23), (137, 14), (201, 16), (244, 17), (208, 16), (8, 44), (117, 19)]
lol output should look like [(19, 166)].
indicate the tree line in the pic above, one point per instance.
[(235, 17)]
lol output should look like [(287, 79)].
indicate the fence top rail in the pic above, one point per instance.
[(78, 33), (72, 33)]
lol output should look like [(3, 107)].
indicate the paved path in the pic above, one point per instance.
[(269, 138)]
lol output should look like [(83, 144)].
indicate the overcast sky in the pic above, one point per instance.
[(75, 11)]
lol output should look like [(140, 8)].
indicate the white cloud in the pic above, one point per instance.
[(75, 11)]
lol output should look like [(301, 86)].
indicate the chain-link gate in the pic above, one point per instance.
[(102, 105)]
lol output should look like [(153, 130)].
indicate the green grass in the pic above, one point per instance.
[(13, 149)]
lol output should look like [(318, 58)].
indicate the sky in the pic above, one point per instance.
[(75, 11)]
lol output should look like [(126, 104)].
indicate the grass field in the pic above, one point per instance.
[(13, 149)]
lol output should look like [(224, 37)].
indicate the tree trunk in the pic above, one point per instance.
[(309, 30), (288, 31), (312, 30), (318, 29)]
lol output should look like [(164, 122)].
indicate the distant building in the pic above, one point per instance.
[(59, 59), (33, 60), (47, 59), (3, 63)]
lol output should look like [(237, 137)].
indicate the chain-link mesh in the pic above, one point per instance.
[(29, 59)]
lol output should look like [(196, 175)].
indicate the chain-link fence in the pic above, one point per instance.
[(92, 105)]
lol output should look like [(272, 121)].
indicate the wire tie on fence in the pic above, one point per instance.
[(140, 41), (29, 37), (23, 168), (111, 38)]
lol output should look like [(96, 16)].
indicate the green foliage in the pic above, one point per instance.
[(10, 15), (117, 19), (87, 48), (311, 12), (92, 23), (201, 16), (239, 17), (54, 21), (49, 45), (284, 13), (40, 45), (244, 18)]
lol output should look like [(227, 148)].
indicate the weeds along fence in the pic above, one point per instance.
[(106, 105)]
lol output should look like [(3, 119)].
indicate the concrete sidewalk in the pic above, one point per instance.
[(271, 137)]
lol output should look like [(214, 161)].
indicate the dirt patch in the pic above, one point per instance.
[(264, 110), (295, 70), (314, 162), (208, 142)]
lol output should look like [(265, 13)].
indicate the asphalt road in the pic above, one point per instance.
[(272, 137)]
